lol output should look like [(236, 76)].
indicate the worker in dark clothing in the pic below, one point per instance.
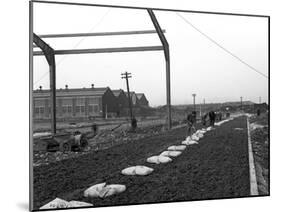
[(204, 119), (191, 120), (134, 124), (212, 117), (95, 128)]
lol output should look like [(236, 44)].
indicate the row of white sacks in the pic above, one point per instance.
[(103, 190), (165, 156)]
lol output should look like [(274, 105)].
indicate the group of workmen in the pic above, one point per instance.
[(191, 120)]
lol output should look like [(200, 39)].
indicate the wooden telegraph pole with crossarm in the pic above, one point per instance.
[(126, 76)]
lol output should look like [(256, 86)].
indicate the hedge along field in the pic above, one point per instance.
[(215, 168)]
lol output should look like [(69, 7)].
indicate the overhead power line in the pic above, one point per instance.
[(220, 46), (75, 46)]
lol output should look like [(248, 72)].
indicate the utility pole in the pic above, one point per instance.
[(194, 107), (204, 104), (127, 75), (260, 100), (200, 110), (241, 98), (105, 111)]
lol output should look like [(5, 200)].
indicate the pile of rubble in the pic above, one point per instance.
[(103, 140)]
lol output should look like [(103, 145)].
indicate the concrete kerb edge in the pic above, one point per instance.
[(252, 170)]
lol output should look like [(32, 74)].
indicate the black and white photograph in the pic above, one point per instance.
[(138, 105)]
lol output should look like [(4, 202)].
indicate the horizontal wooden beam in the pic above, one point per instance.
[(99, 34), (103, 50)]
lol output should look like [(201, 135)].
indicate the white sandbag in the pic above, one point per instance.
[(171, 153), (189, 142), (114, 189), (56, 203), (199, 135), (74, 204), (174, 153), (137, 170), (102, 190), (177, 148), (164, 159), (209, 128), (194, 137), (185, 142), (165, 153), (159, 159), (188, 138), (129, 171), (153, 159), (143, 170), (192, 142), (200, 132), (97, 190), (203, 130)]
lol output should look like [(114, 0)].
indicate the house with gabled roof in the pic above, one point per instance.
[(134, 98), (122, 101), (142, 100)]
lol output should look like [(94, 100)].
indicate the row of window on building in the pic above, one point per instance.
[(67, 107)]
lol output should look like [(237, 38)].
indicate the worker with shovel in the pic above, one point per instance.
[(212, 117), (134, 124), (191, 121)]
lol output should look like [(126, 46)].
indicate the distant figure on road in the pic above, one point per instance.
[(191, 120), (134, 124), (212, 117)]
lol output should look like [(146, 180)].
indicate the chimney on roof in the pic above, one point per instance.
[(66, 87), (40, 87), (93, 86)]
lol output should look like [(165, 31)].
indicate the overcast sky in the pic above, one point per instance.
[(197, 65)]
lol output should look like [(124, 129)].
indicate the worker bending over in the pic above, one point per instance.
[(191, 121)]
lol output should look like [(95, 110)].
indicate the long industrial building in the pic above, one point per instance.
[(85, 103)]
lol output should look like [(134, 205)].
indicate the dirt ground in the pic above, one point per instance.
[(102, 124), (215, 168), (105, 139)]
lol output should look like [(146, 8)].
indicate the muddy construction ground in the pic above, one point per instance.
[(217, 167)]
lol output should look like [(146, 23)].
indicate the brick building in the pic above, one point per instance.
[(76, 103)]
